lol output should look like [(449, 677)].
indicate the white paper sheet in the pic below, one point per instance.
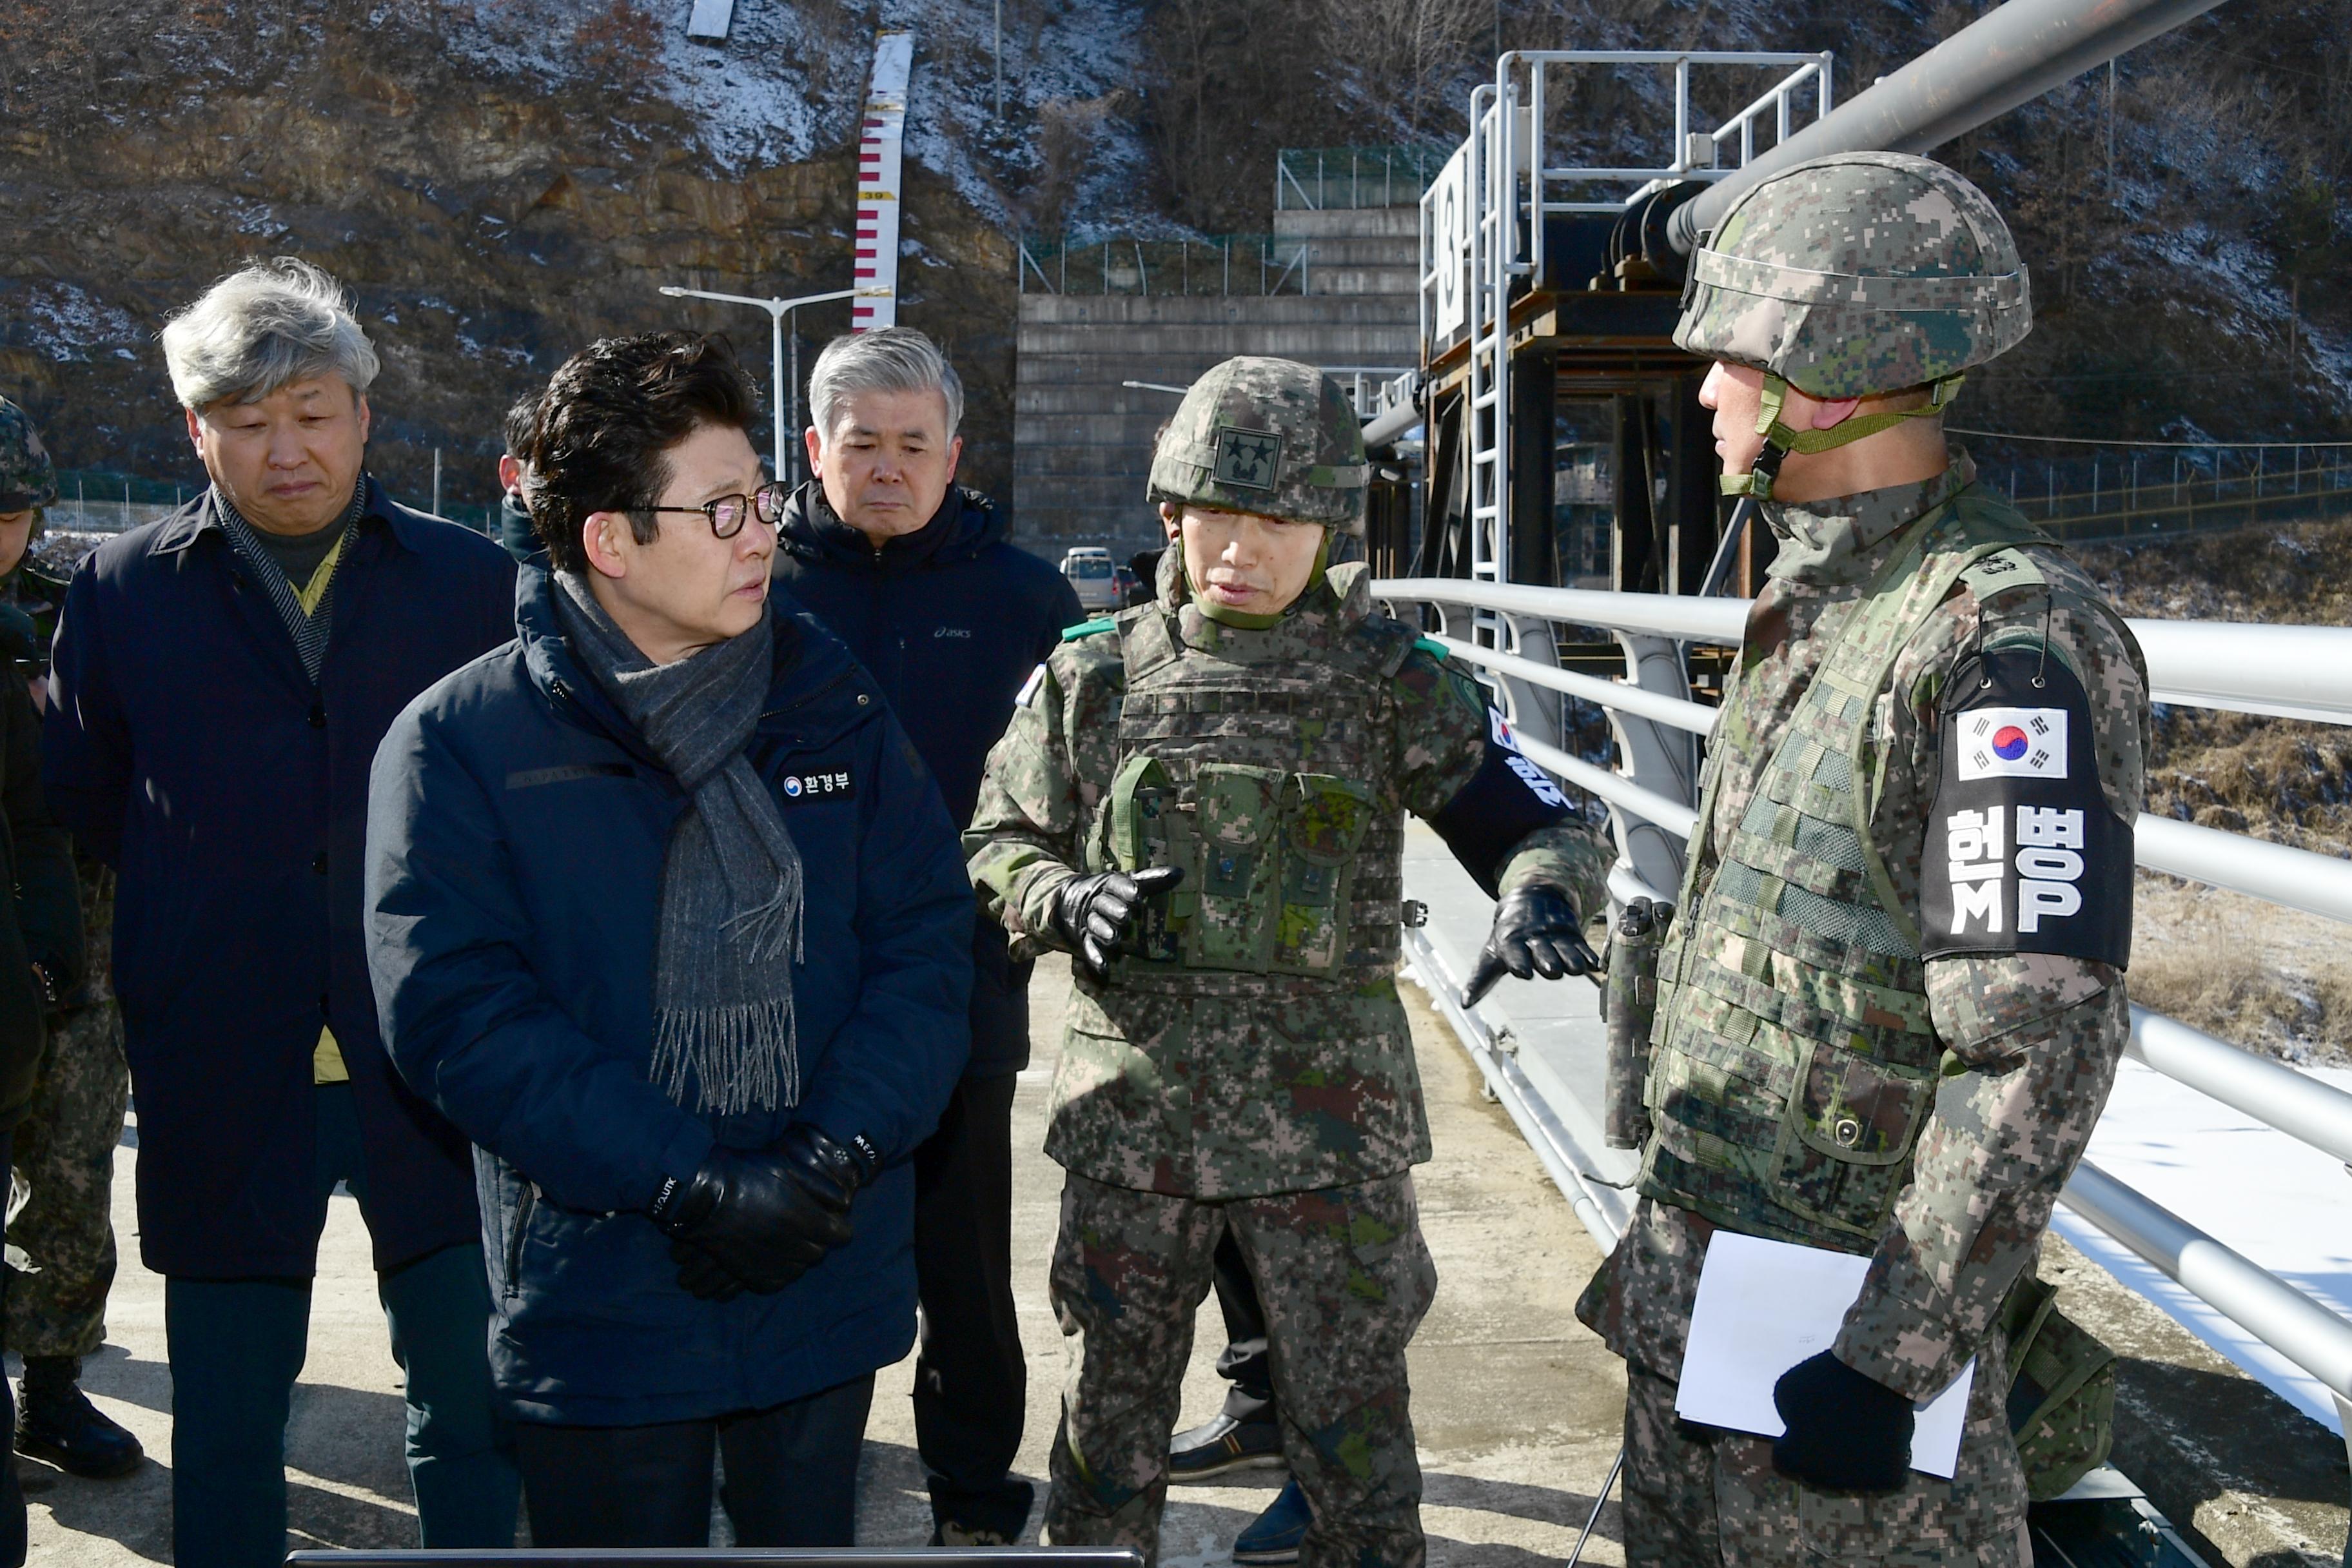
[(1764, 1305)]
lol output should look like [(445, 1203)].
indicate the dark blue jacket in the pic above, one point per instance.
[(950, 619), (185, 746), (515, 843)]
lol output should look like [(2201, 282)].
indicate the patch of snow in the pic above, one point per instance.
[(67, 322)]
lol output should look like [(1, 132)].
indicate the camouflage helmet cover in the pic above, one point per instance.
[(27, 480), (1266, 435), (1858, 273)]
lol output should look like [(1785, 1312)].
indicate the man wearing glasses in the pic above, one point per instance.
[(665, 914)]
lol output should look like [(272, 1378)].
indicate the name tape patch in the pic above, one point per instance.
[(831, 786)]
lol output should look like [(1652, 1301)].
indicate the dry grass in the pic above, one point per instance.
[(2273, 979), (2277, 981)]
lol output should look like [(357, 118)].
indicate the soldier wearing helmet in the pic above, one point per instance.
[(61, 1071), (1203, 802), (1890, 1009), (65, 1144)]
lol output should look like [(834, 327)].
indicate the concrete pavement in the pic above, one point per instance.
[(1516, 1405)]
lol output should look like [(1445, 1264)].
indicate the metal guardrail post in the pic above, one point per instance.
[(1532, 711), (1656, 757)]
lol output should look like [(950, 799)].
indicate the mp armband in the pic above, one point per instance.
[(1507, 799), (2022, 853)]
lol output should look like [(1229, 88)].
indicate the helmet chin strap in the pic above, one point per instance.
[(1780, 439), (1246, 620)]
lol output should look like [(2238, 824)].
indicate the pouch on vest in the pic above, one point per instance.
[(1238, 815), (1845, 1148), (1147, 829), (2062, 1390), (1323, 821), (1630, 999)]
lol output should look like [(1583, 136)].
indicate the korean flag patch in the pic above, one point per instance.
[(2013, 743)]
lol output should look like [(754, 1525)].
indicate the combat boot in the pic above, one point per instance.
[(57, 1422), (1274, 1537)]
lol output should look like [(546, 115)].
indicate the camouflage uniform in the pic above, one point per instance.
[(1841, 1056), (1247, 1064), (64, 1146)]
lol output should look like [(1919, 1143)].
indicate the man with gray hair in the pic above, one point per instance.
[(915, 574), (220, 684)]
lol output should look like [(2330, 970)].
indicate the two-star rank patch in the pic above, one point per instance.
[(1247, 459), (2022, 853)]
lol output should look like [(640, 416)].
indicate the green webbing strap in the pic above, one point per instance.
[(1089, 629), (1777, 434)]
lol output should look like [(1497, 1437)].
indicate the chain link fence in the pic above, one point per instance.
[(1321, 178)]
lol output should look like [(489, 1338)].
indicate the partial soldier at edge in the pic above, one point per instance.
[(1890, 1011), (1203, 801), (64, 1146)]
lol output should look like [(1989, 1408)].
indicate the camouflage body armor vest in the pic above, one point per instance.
[(1792, 1057), (1256, 762)]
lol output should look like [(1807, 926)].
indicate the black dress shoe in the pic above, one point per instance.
[(57, 1422), (1223, 1443)]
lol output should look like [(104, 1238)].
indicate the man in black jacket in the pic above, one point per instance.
[(914, 572)]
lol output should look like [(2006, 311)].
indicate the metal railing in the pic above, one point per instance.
[(2131, 494), (1322, 178), (1219, 264), (2302, 672)]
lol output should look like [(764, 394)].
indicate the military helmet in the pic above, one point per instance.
[(1858, 273), (27, 478), (1265, 435)]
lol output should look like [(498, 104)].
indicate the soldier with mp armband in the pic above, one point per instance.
[(1203, 802), (1891, 1000)]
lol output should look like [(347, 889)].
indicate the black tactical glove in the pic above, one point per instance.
[(754, 1221), (1093, 913), (1847, 1433), (1535, 932)]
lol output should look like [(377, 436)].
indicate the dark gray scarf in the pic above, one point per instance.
[(731, 890)]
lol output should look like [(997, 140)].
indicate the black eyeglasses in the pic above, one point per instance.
[(727, 512)]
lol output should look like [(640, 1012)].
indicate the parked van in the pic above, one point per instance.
[(1088, 568)]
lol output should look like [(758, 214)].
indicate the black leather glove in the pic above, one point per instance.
[(1847, 1433), (1093, 913), (1535, 932), (753, 1221)]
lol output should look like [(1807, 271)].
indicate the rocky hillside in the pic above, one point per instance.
[(497, 181), (501, 180)]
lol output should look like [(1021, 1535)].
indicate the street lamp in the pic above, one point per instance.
[(786, 391)]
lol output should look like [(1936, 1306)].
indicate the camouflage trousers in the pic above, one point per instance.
[(1698, 1497), (1344, 1277), (65, 1150)]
